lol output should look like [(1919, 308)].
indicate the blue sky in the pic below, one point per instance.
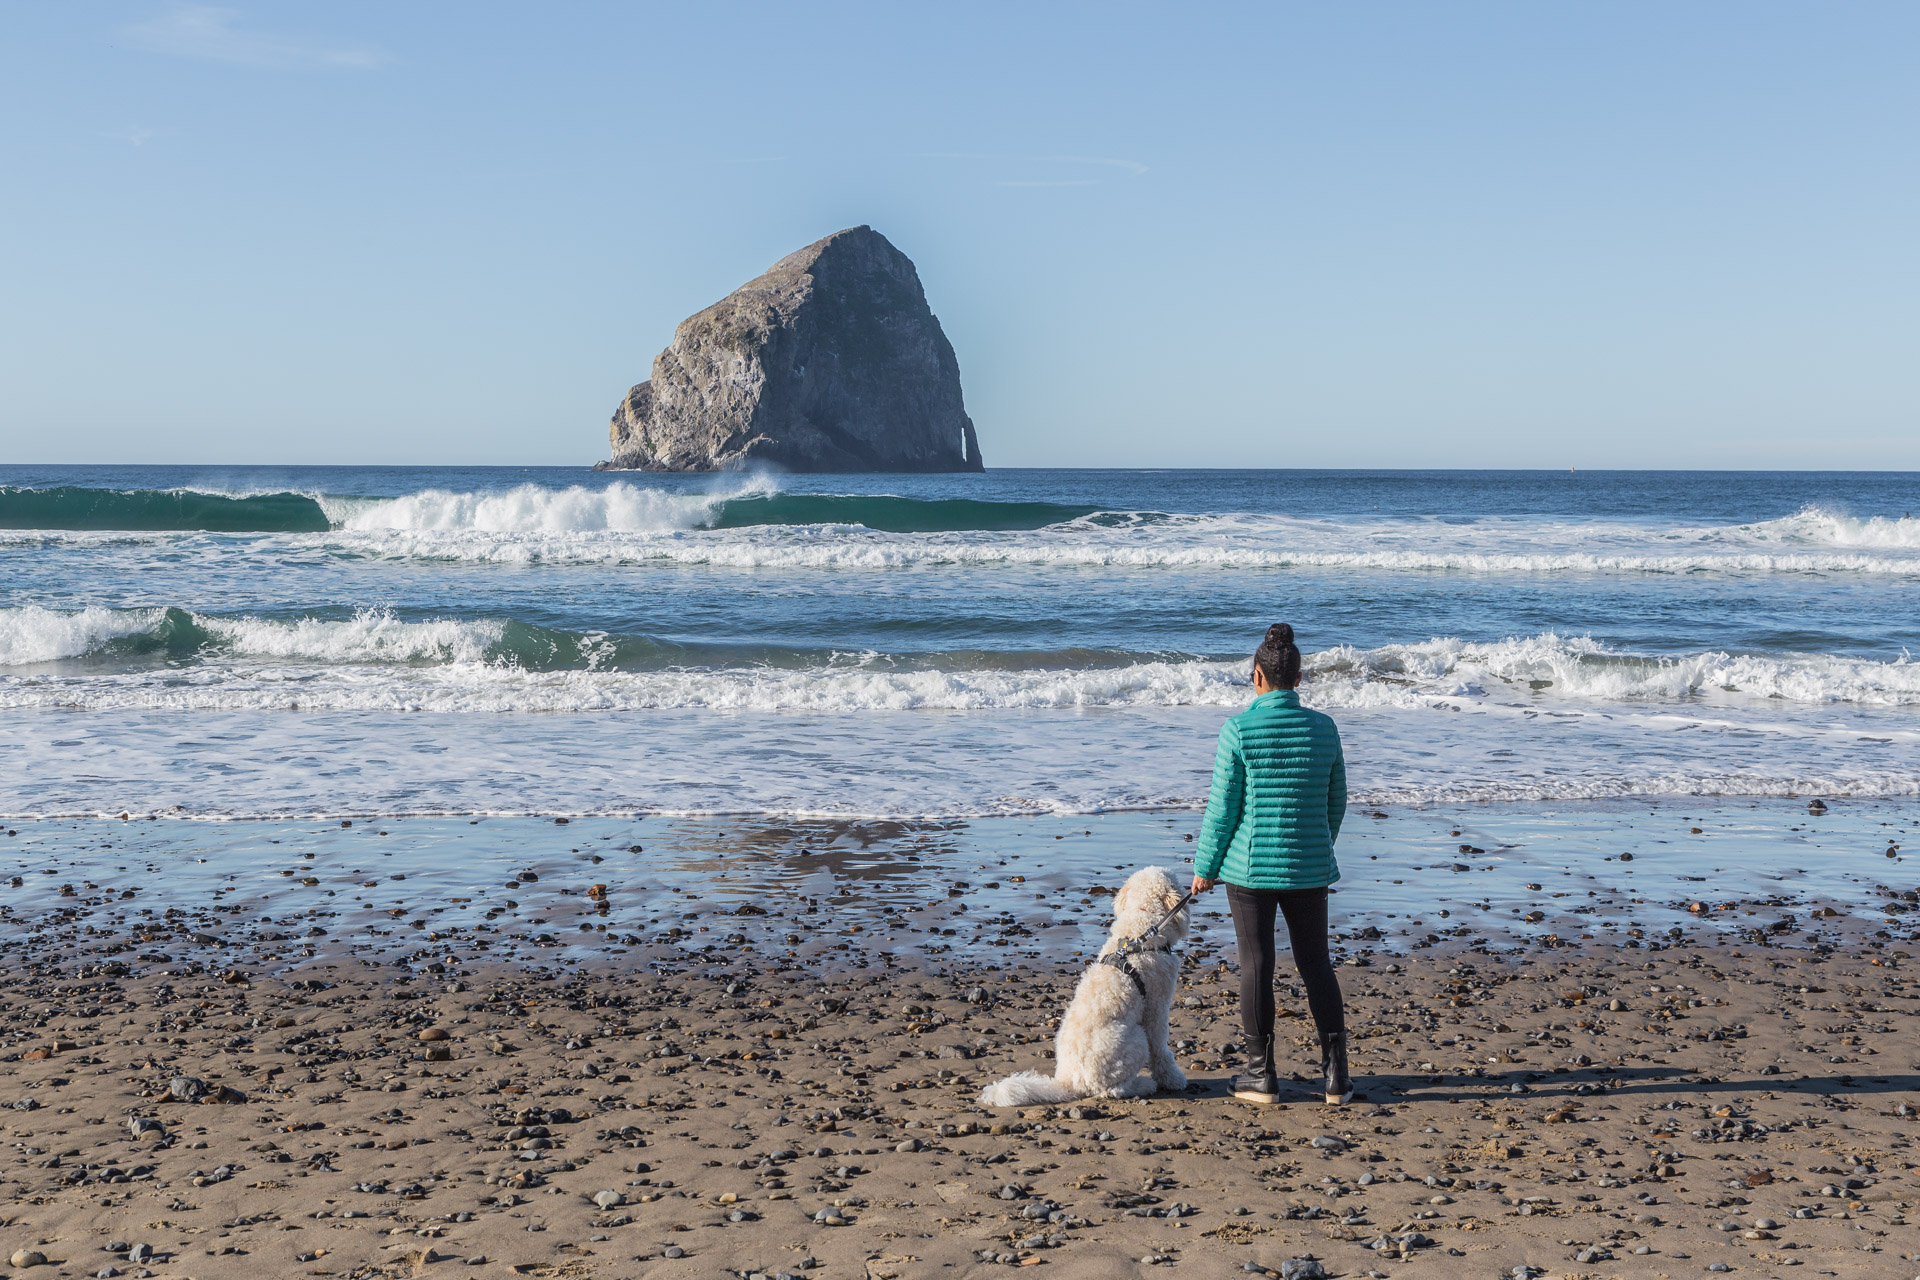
[(1475, 234)]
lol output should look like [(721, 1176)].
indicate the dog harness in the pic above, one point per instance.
[(1121, 957), (1122, 960)]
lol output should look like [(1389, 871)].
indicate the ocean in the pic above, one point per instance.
[(1579, 701), (250, 642)]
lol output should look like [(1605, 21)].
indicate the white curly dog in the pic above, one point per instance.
[(1116, 1026)]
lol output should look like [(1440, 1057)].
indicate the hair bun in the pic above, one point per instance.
[(1279, 633)]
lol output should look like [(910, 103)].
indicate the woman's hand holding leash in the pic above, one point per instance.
[(1200, 885)]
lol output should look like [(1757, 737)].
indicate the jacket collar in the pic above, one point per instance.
[(1278, 698)]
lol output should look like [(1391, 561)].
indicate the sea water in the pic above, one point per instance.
[(319, 642), (872, 691)]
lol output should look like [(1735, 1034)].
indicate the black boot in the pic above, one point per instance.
[(1261, 1083), (1333, 1066)]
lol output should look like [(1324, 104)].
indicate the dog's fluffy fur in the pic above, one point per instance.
[(1111, 1032)]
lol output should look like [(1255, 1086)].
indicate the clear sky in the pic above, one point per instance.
[(1464, 234)]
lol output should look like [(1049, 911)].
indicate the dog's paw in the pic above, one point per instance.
[(1171, 1082)]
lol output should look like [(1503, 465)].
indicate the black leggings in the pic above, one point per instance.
[(1306, 915)]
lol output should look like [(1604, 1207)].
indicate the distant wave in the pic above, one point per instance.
[(754, 524), (527, 509), (182, 510)]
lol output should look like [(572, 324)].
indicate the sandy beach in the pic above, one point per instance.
[(598, 603), (1580, 1113)]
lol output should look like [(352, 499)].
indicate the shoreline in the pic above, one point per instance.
[(277, 895)]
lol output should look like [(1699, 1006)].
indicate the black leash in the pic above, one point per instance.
[(1121, 957)]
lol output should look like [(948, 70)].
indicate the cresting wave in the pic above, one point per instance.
[(380, 661), (68, 507), (1820, 527)]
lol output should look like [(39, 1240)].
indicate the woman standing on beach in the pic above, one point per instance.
[(1279, 793)]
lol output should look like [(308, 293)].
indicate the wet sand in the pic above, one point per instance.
[(1580, 1112), (932, 894)]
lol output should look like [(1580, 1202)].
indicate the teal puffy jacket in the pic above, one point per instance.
[(1279, 793)]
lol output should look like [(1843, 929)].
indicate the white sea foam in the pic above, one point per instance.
[(475, 686), (1178, 542), (802, 764), (533, 509), (1580, 667), (1820, 527), (370, 636), (32, 634)]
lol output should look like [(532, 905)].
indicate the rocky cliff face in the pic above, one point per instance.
[(831, 361)]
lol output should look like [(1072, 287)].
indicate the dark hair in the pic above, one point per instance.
[(1278, 657)]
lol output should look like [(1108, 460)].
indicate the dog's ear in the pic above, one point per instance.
[(1170, 897)]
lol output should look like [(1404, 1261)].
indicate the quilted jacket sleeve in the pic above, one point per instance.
[(1224, 803), (1336, 789)]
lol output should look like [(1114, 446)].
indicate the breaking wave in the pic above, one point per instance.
[(1816, 526), (374, 659), (1583, 668)]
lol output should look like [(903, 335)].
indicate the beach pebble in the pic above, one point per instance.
[(908, 1147), (673, 1251), (434, 1033), (1326, 1143), (1302, 1269), (140, 1253), (1766, 1224), (609, 1199), (24, 1258), (187, 1089)]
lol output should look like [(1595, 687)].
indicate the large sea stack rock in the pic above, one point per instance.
[(831, 361)]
